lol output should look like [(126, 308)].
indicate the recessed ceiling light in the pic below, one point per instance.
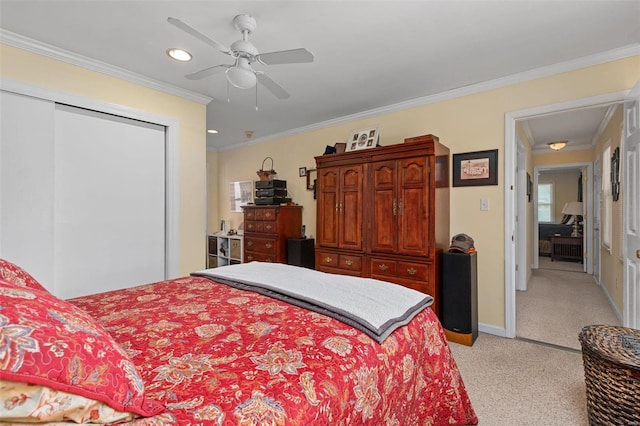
[(179, 54), (214, 131)]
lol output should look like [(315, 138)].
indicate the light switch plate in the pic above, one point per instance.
[(484, 204)]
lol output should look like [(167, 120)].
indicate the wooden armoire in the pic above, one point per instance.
[(384, 213)]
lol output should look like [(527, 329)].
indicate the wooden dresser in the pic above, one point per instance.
[(384, 213), (267, 229)]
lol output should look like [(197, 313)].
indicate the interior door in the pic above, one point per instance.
[(631, 176)]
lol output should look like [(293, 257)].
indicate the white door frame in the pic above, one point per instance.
[(630, 214), (510, 196), (172, 188)]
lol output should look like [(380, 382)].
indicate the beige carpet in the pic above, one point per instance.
[(512, 382), (559, 265), (557, 304)]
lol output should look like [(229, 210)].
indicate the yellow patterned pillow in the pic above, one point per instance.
[(27, 403)]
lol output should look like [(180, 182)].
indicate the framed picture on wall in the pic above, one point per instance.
[(475, 168)]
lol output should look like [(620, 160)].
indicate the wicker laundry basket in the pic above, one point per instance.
[(611, 357)]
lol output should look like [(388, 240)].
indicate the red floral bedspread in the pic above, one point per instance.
[(217, 355)]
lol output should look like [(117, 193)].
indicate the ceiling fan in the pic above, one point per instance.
[(241, 74)]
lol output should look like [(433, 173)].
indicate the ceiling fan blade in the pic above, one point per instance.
[(272, 86), (293, 56), (206, 72), (197, 34)]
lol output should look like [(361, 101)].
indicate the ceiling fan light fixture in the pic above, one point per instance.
[(179, 54), (240, 77), (557, 145)]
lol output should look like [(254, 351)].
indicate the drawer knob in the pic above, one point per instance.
[(249, 257), (269, 260), (268, 227), (250, 226), (268, 245), (411, 271), (328, 259), (349, 262), (383, 267), (267, 214), (249, 243)]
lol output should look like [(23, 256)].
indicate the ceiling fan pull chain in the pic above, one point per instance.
[(256, 97)]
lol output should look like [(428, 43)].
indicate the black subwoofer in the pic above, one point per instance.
[(459, 297)]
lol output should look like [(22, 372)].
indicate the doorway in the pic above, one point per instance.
[(512, 193)]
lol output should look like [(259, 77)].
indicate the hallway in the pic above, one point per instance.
[(558, 304)]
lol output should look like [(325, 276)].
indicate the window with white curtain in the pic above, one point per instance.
[(607, 199), (545, 202)]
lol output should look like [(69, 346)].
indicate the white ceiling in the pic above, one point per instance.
[(369, 55)]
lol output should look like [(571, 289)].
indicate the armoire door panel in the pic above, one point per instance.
[(351, 178), (414, 171), (384, 208), (350, 208), (327, 226), (413, 210)]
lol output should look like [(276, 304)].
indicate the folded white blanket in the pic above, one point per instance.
[(374, 307)]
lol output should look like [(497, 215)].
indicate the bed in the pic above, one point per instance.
[(198, 350)]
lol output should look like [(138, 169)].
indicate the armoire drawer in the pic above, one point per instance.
[(346, 262), (414, 271)]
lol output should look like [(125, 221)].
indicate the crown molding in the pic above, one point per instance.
[(604, 123), (25, 43), (561, 67)]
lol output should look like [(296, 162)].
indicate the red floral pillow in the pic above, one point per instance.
[(15, 274), (50, 342)]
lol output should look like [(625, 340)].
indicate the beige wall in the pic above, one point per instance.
[(469, 123), (563, 157), (45, 72), (611, 259)]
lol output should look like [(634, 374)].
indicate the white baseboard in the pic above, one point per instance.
[(492, 329), (612, 303)]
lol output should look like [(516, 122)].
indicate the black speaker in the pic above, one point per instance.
[(301, 252), (459, 297)]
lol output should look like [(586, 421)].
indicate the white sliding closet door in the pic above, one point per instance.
[(26, 184), (109, 211)]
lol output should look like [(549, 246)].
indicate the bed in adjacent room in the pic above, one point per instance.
[(211, 350)]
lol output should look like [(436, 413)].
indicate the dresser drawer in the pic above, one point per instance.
[(266, 214), (250, 256), (269, 227), (253, 226), (261, 245)]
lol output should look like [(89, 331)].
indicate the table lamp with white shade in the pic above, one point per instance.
[(574, 208)]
